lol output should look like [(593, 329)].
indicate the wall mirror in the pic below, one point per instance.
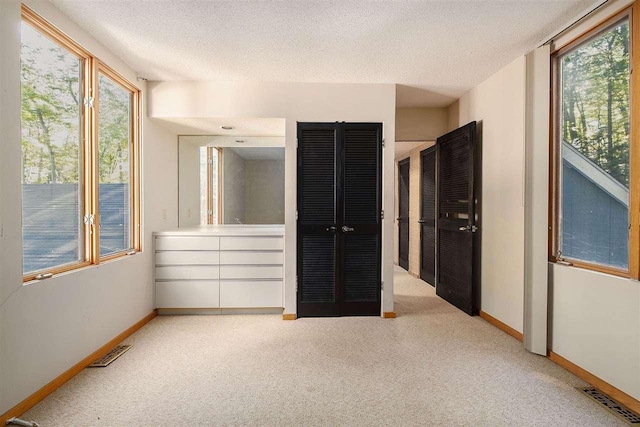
[(230, 180)]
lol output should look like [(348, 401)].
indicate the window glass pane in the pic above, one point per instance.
[(204, 186), (595, 149), (209, 185), (51, 171), (114, 152), (214, 185)]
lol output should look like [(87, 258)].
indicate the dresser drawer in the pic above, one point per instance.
[(188, 294), (251, 272), (251, 243), (251, 257), (197, 272), (188, 258), (187, 243), (246, 294)]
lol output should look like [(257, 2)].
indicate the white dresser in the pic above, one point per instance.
[(220, 267)]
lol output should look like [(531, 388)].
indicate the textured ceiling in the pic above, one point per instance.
[(435, 49)]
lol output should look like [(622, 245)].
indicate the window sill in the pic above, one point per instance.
[(31, 278), (592, 267)]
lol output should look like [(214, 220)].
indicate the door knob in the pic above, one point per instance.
[(346, 229), (332, 228), (471, 228), (421, 221)]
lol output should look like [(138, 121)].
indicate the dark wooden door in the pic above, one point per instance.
[(339, 219), (428, 216), (403, 213), (456, 281)]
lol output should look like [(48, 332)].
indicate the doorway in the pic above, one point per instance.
[(403, 213), (339, 219)]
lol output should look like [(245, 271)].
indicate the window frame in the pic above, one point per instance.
[(210, 204), (555, 150), (88, 150)]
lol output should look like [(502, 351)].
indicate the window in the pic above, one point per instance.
[(80, 171), (210, 181), (593, 151), (116, 100), (52, 175)]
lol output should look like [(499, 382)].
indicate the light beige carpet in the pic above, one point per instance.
[(433, 365)]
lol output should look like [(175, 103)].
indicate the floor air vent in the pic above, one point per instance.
[(110, 357), (613, 406)]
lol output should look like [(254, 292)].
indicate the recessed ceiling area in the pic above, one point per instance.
[(436, 50), (262, 153), (403, 147), (213, 126)]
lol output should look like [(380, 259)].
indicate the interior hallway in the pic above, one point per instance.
[(433, 365)]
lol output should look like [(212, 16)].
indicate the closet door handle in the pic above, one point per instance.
[(346, 229), (332, 228)]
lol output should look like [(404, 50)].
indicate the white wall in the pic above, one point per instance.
[(595, 317), (595, 322), (233, 194), (47, 327), (304, 102), (498, 105)]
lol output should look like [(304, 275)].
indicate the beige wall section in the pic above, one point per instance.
[(49, 326), (264, 192), (498, 105), (420, 124), (415, 166), (233, 187)]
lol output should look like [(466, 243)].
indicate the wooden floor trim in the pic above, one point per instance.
[(389, 315), (39, 395), (289, 316), (500, 325), (617, 394)]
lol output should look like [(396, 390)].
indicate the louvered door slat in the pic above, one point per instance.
[(318, 181), (361, 173), (317, 284), (361, 273)]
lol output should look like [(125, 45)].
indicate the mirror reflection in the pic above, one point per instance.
[(230, 185)]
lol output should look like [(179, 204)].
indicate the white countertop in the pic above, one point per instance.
[(226, 230)]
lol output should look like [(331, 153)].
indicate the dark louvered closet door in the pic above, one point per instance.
[(428, 216), (456, 218), (403, 213), (361, 205), (339, 224), (317, 243)]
